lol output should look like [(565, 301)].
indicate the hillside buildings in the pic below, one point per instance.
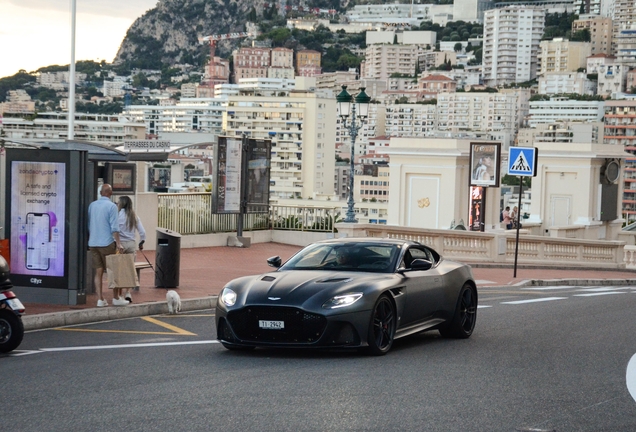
[(600, 33), (511, 43), (562, 55), (97, 128), (559, 109)]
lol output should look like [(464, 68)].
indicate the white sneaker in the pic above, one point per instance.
[(120, 302), (102, 303), (128, 297)]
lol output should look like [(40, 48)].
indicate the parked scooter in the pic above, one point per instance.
[(11, 310)]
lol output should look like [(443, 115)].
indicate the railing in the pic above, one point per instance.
[(190, 213), (321, 219), (493, 247)]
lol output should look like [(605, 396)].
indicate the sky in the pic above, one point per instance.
[(37, 33)]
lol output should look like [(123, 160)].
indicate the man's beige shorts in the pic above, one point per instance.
[(99, 254)]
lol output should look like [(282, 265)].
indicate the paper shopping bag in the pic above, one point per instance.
[(120, 269)]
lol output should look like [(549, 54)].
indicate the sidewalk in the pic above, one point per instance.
[(205, 271)]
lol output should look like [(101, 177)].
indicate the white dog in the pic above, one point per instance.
[(174, 302)]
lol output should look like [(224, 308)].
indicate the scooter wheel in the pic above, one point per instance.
[(11, 331)]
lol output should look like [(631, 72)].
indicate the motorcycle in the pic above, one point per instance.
[(11, 310)]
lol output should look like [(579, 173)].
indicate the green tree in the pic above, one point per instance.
[(458, 47)]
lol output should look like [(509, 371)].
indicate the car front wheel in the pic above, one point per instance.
[(463, 322), (382, 326)]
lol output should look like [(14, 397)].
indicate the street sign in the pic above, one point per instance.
[(522, 161)]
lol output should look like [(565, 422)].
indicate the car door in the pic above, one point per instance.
[(423, 287)]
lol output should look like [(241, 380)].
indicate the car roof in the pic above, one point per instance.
[(375, 240)]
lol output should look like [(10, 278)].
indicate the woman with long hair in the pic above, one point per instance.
[(129, 222)]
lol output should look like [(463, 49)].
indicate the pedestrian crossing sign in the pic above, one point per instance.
[(522, 161)]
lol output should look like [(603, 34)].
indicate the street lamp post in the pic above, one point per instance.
[(347, 106)]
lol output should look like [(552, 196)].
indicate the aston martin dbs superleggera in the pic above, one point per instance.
[(349, 293)]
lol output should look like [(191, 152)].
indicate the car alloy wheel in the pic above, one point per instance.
[(463, 322), (382, 326)]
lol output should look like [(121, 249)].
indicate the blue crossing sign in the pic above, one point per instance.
[(522, 161)]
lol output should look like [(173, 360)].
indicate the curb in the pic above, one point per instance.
[(93, 315)]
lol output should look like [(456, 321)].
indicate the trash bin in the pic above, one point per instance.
[(167, 258)]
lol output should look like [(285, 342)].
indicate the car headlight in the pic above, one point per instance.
[(228, 297), (342, 301)]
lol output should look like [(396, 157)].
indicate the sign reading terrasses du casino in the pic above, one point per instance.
[(146, 145)]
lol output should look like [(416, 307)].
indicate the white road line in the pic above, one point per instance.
[(600, 289), (143, 345), (534, 300), (631, 376), (483, 282), (483, 306), (598, 293), (549, 288)]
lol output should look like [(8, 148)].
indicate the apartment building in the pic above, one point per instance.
[(302, 127), (566, 82), (563, 109), (394, 13), (600, 33), (626, 46), (612, 80), (591, 7), (308, 63), (436, 83), (96, 128), (18, 102), (282, 57), (433, 59), (251, 62), (562, 55), (512, 35), (483, 112), (410, 120), (372, 185), (623, 14), (188, 115), (620, 129), (596, 61), (59, 80), (381, 61), (561, 132), (471, 10)]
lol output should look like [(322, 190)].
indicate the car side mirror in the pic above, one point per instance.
[(421, 264), (274, 261)]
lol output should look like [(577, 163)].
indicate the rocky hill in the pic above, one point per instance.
[(170, 32)]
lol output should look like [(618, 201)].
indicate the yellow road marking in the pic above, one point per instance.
[(75, 329), (175, 329)]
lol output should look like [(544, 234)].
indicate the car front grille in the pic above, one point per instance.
[(300, 327)]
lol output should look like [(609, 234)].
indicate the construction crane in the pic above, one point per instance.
[(213, 39)]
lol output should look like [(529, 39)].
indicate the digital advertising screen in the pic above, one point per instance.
[(38, 204)]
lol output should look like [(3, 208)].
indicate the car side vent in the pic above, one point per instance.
[(268, 278)]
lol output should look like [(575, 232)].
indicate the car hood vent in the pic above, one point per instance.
[(268, 278), (334, 280)]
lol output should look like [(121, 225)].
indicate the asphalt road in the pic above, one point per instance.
[(543, 359)]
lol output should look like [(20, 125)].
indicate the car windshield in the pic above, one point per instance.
[(350, 256)]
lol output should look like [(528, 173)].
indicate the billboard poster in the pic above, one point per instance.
[(258, 172), (484, 163), (476, 208), (38, 204), (227, 193)]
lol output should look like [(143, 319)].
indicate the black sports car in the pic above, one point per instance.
[(348, 293)]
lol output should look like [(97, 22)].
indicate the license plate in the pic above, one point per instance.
[(271, 325), (15, 304)]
